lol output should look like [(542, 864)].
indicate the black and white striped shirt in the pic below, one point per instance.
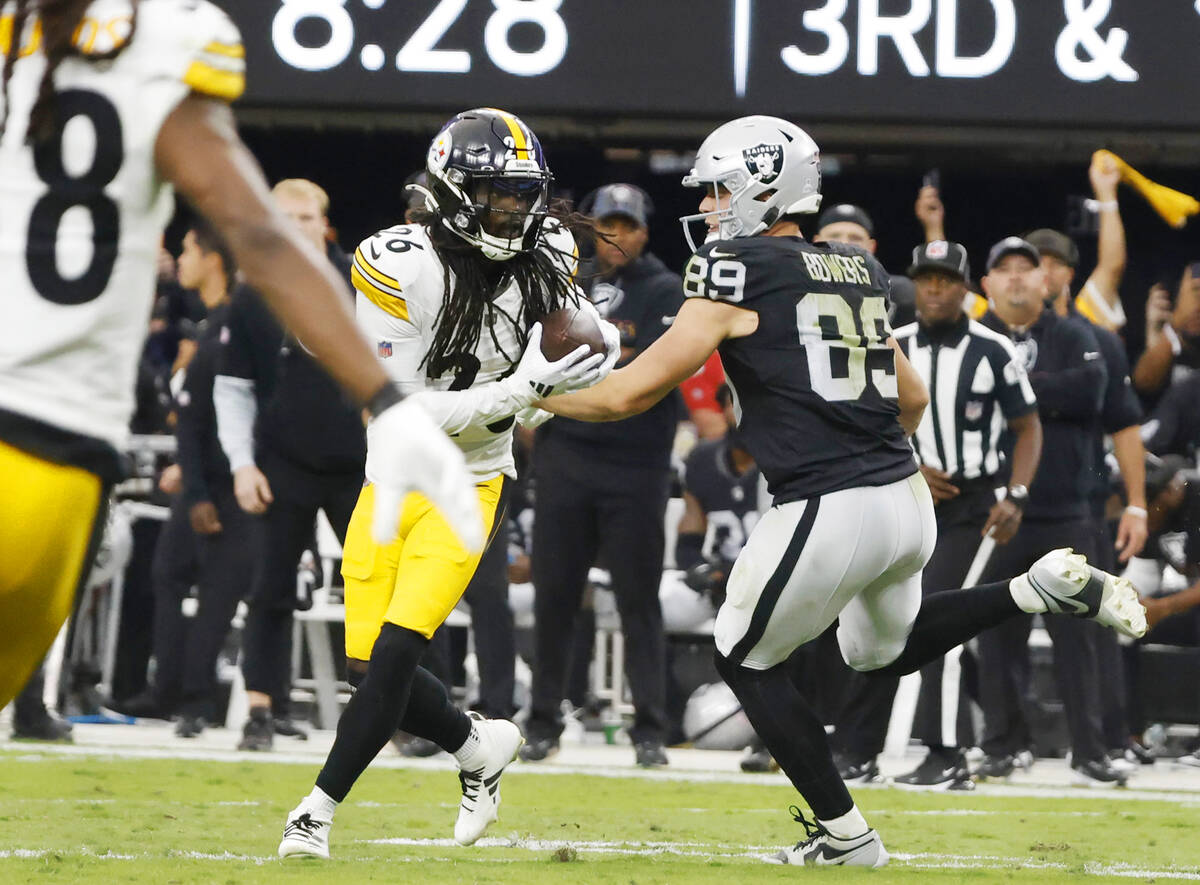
[(977, 383)]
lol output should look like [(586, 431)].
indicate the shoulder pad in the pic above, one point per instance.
[(395, 268), (197, 41)]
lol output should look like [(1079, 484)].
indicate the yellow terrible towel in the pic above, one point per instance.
[(1173, 206)]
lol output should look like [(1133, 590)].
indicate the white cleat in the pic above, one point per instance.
[(1064, 583), (304, 835), (480, 806), (822, 849)]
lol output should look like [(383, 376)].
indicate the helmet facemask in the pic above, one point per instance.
[(759, 169)]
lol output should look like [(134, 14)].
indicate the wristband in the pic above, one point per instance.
[(1101, 205), (1139, 512), (385, 397), (1173, 336)]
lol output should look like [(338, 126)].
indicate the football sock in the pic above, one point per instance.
[(321, 803), (849, 826), (792, 733), (949, 619), (375, 709), (431, 715), (470, 755)]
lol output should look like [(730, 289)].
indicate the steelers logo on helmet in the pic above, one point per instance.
[(439, 151), (491, 186), (765, 161)]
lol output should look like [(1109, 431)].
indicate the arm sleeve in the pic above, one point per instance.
[(1075, 391), (1013, 391), (237, 409)]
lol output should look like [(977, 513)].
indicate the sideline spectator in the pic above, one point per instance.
[(205, 540), (1120, 418), (1172, 351), (1174, 618), (602, 491), (847, 223), (977, 389), (295, 445), (1067, 375)]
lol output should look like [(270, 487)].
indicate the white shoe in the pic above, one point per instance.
[(480, 806), (1062, 582), (822, 849), (305, 835)]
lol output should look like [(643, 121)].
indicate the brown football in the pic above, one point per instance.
[(565, 329)]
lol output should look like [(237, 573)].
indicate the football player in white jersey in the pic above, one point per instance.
[(105, 105), (452, 301)]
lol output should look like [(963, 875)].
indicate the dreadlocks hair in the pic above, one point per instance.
[(60, 22), (469, 308)]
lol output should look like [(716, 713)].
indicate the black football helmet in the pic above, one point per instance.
[(489, 182)]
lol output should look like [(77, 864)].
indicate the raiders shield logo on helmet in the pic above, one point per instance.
[(764, 160)]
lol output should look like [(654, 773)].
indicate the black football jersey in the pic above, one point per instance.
[(815, 384), (729, 501)]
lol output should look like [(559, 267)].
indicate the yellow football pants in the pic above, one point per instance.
[(415, 581), (48, 516)]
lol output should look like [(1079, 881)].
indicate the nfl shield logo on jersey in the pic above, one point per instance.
[(974, 410), (764, 160), (384, 348)]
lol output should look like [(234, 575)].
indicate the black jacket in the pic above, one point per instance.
[(203, 462), (303, 416), (641, 300), (1068, 376)]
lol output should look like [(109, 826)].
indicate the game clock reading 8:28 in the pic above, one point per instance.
[(317, 35)]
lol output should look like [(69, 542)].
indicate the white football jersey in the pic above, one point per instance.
[(400, 283), (82, 213)]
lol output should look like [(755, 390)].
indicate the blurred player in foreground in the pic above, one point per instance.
[(453, 301), (105, 106), (825, 401)]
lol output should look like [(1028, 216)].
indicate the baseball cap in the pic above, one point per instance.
[(1058, 245), (619, 199), (1012, 246), (846, 212), (940, 255)]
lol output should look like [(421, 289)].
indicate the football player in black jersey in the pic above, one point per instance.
[(824, 402)]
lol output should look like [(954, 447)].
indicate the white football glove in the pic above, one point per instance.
[(536, 377), (532, 417), (408, 452), (612, 341)]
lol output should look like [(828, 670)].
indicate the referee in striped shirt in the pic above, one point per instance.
[(977, 389)]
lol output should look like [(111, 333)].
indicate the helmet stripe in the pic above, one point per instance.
[(519, 141)]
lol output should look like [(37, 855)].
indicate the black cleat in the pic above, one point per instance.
[(43, 727), (189, 726), (941, 770), (288, 728), (1097, 773), (650, 754), (856, 771), (758, 760), (539, 749), (258, 734), (996, 768)]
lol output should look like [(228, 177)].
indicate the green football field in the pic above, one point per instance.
[(77, 819)]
